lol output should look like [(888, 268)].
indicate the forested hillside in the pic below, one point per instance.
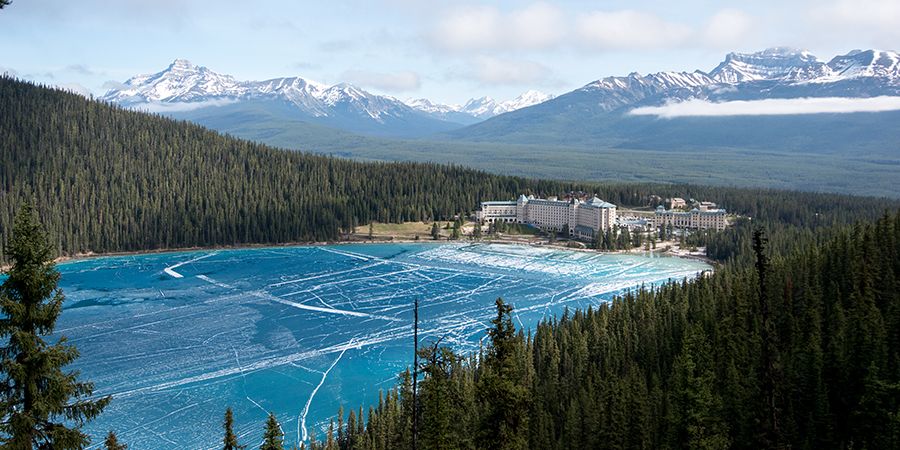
[(797, 351), (795, 345), (106, 179)]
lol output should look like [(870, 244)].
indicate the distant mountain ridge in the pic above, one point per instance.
[(281, 110), (476, 110), (597, 113), (780, 67), (185, 87)]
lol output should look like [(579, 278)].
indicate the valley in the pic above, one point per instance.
[(589, 134)]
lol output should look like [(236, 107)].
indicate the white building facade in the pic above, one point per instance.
[(700, 218), (584, 218)]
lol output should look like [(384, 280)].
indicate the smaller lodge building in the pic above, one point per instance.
[(703, 217)]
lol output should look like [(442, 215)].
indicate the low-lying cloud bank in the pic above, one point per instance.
[(770, 107), (165, 107)]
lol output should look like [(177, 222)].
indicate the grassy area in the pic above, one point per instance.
[(408, 230)]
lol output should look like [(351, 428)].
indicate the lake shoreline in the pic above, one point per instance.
[(698, 256)]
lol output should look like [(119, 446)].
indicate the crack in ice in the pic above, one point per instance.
[(324, 375), (175, 274)]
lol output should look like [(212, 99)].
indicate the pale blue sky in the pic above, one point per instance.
[(447, 51)]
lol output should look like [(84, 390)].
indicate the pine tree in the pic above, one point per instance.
[(272, 437), (695, 418), (501, 389), (437, 398), (112, 442), (230, 439), (435, 231), (36, 394)]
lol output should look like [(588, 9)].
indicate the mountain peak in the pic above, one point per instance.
[(770, 63), (867, 63), (181, 65)]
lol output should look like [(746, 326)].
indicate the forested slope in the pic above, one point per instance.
[(106, 179), (798, 351), (807, 357)]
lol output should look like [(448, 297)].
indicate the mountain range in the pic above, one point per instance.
[(190, 92), (187, 91), (601, 113), (613, 129)]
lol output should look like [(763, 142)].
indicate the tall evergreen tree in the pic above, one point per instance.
[(435, 231), (230, 439), (437, 400), (272, 439), (501, 388), (36, 395), (112, 442)]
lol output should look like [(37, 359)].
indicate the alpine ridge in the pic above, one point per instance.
[(185, 87), (598, 114), (476, 110)]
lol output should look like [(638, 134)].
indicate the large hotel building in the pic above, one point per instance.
[(588, 218), (584, 218)]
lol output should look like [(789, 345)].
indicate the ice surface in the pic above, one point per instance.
[(300, 331)]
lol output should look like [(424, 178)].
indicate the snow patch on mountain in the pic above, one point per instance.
[(775, 72), (771, 63), (481, 108), (191, 87)]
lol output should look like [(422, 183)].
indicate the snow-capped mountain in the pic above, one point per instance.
[(598, 111), (863, 64), (772, 63), (525, 100), (476, 110), (181, 82), (221, 102), (614, 92), (184, 86), (778, 72)]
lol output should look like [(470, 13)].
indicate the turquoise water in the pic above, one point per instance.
[(175, 338)]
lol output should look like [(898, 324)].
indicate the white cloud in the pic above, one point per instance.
[(539, 26), (80, 69), (9, 72), (164, 107), (75, 88), (392, 82), (860, 12), (116, 85), (728, 28), (631, 29), (872, 21), (769, 107), (490, 70)]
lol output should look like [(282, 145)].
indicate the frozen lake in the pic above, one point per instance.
[(299, 331)]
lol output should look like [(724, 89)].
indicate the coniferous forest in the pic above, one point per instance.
[(106, 179), (800, 350), (791, 342)]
